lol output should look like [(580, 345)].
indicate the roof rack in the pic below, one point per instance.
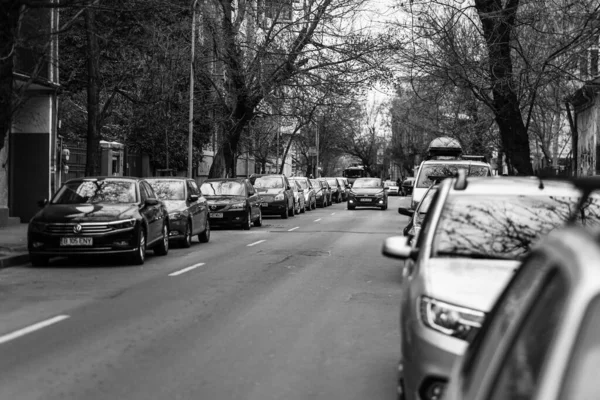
[(474, 157)]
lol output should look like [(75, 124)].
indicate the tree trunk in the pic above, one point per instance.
[(497, 22), (9, 20), (574, 140), (93, 55)]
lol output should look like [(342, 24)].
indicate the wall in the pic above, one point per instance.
[(588, 122)]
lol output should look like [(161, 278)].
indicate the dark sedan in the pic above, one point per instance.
[(321, 193), (232, 201), (188, 209), (100, 215), (368, 192), (277, 197)]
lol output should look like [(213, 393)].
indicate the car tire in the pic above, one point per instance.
[(291, 211), (351, 207), (162, 248), (204, 237), (383, 208), (186, 242), (39, 261), (248, 224), (139, 256), (303, 209), (258, 221), (314, 204), (284, 215)]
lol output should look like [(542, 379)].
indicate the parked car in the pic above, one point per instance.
[(407, 186), (393, 187), (336, 189), (321, 193), (343, 188), (232, 202), (99, 215), (277, 197), (188, 209), (328, 190), (310, 197), (368, 192), (472, 239), (299, 202), (541, 339), (417, 216)]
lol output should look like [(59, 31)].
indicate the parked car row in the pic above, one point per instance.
[(459, 290), (127, 216)]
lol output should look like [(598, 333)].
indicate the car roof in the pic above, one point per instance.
[(225, 179), (168, 178), (101, 178), (514, 185), (461, 162)]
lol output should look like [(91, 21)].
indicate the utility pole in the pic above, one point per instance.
[(317, 146), (191, 117), (277, 159)]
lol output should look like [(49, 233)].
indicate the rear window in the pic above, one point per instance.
[(168, 190), (445, 169), (269, 182), (302, 183)]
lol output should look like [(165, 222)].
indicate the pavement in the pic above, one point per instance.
[(13, 245), (302, 308)]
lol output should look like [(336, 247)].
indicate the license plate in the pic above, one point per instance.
[(76, 241), (216, 215), (265, 204), (365, 199)]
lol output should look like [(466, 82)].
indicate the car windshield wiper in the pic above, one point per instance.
[(484, 256)]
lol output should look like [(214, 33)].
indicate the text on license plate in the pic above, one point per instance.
[(365, 199), (216, 215), (265, 204), (76, 241)]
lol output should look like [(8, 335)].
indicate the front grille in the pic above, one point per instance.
[(86, 228), (266, 198), (217, 207)]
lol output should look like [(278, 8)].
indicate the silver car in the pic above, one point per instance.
[(310, 196), (472, 239)]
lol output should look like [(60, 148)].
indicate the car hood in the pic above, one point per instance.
[(269, 191), (221, 200), (86, 212), (367, 190), (175, 205), (471, 283)]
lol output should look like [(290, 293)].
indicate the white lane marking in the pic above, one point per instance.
[(317, 220), (255, 243), (332, 213), (32, 328), (183, 271), (293, 229)]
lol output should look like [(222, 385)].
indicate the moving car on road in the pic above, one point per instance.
[(368, 192), (310, 197), (232, 202), (188, 209), (473, 237), (99, 215), (276, 195)]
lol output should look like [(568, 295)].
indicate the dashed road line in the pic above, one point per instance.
[(255, 243), (332, 213), (32, 328), (293, 229), (317, 220), (183, 271)]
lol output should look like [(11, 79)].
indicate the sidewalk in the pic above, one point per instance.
[(13, 245)]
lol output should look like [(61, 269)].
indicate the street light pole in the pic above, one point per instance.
[(191, 117), (317, 146), (277, 159)]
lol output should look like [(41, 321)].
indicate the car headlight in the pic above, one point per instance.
[(124, 224), (176, 215), (319, 194), (37, 226), (455, 321), (280, 196), (380, 194), (238, 205)]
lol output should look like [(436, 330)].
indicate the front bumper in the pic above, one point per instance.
[(233, 217), (366, 201), (177, 228), (427, 358), (273, 207), (118, 242)]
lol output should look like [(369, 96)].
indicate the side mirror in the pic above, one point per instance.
[(405, 211), (193, 198), (151, 202), (42, 203), (301, 190), (398, 247), (386, 188)]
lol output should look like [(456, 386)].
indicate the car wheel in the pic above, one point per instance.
[(383, 208), (314, 204), (204, 237), (140, 255), (162, 248), (291, 210), (39, 261), (351, 207), (303, 209), (187, 240), (284, 214), (248, 224), (258, 221)]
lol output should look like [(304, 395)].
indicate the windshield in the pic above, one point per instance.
[(504, 226), (332, 182), (168, 190), (354, 173), (223, 188), (390, 183), (367, 183), (96, 191), (269, 182), (424, 206), (408, 182), (448, 170), (302, 183), (316, 184)]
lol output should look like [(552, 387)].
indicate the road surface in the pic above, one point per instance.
[(303, 308)]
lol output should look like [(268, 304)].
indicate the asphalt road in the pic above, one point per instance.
[(303, 308)]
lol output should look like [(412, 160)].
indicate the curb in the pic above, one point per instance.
[(11, 261)]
